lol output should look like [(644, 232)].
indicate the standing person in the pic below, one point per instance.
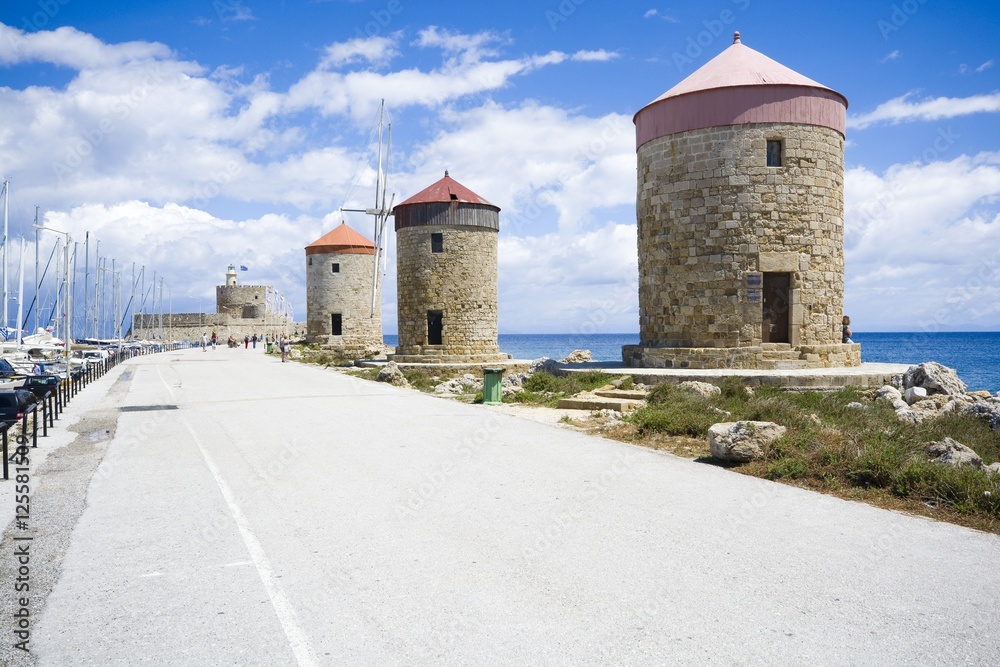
[(215, 340), (254, 341), (283, 345), (846, 330), (246, 342), (204, 342)]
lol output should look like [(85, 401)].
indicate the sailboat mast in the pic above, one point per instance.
[(38, 277), (20, 295), (6, 206), (379, 193)]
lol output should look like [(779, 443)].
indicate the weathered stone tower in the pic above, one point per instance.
[(340, 267), (740, 220), (446, 254)]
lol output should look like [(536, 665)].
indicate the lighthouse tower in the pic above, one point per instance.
[(446, 253), (740, 207), (340, 268)]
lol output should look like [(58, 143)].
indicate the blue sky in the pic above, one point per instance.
[(186, 135)]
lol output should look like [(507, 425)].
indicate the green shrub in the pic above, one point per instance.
[(787, 467)]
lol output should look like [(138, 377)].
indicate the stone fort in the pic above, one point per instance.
[(241, 310)]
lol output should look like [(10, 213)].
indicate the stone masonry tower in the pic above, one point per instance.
[(740, 209), (340, 268), (446, 254)]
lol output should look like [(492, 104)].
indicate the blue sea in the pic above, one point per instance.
[(975, 355)]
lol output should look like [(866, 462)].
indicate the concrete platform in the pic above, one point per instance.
[(509, 366), (865, 375)]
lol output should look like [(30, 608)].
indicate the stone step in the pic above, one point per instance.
[(596, 403), (627, 394)]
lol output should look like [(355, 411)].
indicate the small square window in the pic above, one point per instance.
[(335, 268), (310, 261), (774, 152), (437, 242)]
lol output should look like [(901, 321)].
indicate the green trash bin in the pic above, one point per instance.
[(492, 386), (269, 347)]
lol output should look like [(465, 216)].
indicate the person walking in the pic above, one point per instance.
[(204, 342), (215, 340), (283, 344), (254, 341), (246, 342)]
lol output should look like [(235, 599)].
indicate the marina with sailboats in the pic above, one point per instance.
[(68, 317)]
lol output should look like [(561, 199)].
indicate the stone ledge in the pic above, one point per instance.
[(750, 357)]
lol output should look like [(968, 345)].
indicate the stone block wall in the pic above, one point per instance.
[(711, 213), (234, 299), (348, 292), (461, 282)]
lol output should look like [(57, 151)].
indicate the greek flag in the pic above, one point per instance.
[(5, 333), (243, 268)]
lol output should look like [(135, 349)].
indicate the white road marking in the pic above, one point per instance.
[(283, 609)]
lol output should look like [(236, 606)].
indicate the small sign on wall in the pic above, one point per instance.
[(754, 284)]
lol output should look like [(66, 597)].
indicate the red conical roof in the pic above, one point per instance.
[(343, 240), (446, 190)]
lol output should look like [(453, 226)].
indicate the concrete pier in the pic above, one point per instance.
[(221, 507)]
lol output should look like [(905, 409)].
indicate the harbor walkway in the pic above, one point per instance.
[(223, 508)]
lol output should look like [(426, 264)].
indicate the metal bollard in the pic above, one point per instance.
[(5, 427), (45, 415), (34, 425)]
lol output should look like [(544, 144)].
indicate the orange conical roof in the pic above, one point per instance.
[(342, 239)]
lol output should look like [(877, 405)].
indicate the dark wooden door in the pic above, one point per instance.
[(435, 324), (776, 300)]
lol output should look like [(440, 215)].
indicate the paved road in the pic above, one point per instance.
[(287, 515)]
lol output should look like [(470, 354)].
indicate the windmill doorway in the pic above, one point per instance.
[(435, 326), (776, 308)]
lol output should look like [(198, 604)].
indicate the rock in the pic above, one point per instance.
[(577, 357), (854, 405), (544, 365), (390, 373), (888, 393), (988, 410), (613, 415), (935, 378), (703, 389), (980, 394), (742, 441), (814, 418), (993, 468), (914, 394), (950, 452), (510, 390)]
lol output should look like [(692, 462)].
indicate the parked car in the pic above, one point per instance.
[(36, 384), (13, 403)]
